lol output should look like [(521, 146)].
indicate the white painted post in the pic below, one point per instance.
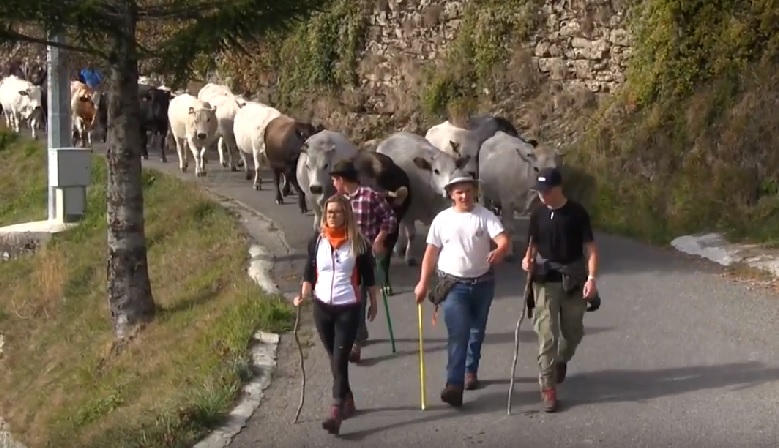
[(58, 91)]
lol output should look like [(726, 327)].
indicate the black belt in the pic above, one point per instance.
[(487, 276)]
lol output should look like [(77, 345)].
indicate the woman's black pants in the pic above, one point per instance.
[(337, 327)]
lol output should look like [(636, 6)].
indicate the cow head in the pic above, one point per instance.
[(201, 121), (465, 151), (441, 166), (317, 165), (30, 101)]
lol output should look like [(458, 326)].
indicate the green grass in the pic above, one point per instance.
[(63, 380)]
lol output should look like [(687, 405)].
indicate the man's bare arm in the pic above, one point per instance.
[(592, 258), (428, 263)]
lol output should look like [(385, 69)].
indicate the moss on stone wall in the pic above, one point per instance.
[(489, 30), (688, 144)]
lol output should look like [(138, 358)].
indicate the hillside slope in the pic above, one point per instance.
[(665, 105)]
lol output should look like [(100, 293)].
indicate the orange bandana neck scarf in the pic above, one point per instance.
[(336, 236)]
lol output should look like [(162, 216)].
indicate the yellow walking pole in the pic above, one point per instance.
[(422, 392)]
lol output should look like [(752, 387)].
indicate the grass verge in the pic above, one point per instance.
[(63, 381)]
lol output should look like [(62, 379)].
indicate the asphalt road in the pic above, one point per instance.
[(676, 356)]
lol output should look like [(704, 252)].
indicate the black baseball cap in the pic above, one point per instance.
[(345, 169), (548, 178)]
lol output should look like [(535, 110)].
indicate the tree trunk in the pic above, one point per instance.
[(129, 290)]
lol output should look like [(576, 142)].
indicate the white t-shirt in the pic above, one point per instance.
[(464, 240)]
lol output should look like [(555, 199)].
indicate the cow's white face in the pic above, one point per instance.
[(318, 163), (30, 100), (440, 166), (201, 122)]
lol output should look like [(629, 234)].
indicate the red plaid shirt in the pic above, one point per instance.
[(372, 212)]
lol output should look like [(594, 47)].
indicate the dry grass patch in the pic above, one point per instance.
[(63, 380)]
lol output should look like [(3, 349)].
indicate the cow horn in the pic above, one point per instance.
[(399, 195)]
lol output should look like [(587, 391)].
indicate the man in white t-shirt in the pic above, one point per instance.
[(458, 248)]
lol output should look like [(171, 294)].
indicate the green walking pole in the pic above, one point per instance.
[(383, 273)]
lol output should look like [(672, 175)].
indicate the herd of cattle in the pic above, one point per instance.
[(411, 170)]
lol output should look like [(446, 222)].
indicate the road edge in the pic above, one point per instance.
[(264, 346)]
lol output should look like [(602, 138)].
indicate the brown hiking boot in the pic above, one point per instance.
[(452, 395), (471, 381), (562, 369), (356, 354), (332, 424), (348, 409), (549, 396)]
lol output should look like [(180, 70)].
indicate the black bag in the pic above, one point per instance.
[(443, 285)]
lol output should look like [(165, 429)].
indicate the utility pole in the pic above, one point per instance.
[(69, 168)]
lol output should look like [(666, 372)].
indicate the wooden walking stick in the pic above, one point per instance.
[(302, 365), (422, 388), (526, 305)]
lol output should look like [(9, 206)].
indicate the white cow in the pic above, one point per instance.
[(507, 170), (21, 100), (227, 106), (249, 131), (428, 170), (192, 123), (320, 152), (449, 138)]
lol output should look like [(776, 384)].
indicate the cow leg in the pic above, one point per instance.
[(34, 128), (509, 224), (246, 171), (200, 158), (15, 122), (183, 158), (145, 144), (276, 181), (290, 176), (411, 233), (221, 150), (257, 181)]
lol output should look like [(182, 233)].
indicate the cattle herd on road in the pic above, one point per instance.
[(410, 169)]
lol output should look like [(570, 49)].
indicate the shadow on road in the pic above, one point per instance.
[(616, 386)]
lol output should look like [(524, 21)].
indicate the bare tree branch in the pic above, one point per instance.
[(11, 35)]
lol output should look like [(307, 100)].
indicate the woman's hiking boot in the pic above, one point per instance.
[(332, 424), (452, 395), (348, 408), (549, 397)]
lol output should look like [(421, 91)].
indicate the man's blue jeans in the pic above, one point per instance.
[(466, 309)]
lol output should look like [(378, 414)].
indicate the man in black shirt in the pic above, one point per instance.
[(562, 240)]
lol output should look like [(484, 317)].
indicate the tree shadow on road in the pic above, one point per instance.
[(616, 386)]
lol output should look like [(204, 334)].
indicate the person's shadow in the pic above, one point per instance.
[(616, 386), (608, 386)]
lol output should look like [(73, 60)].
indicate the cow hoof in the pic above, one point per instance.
[(257, 187), (146, 157), (233, 169), (387, 290), (411, 262), (164, 160), (224, 164), (280, 201)]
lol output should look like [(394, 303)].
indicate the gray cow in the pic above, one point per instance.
[(318, 155), (428, 170)]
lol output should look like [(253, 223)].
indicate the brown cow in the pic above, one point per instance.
[(284, 137), (83, 112)]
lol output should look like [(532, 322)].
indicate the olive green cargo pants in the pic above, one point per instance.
[(559, 323)]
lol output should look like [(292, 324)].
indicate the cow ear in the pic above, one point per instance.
[(24, 93), (533, 142), (191, 110), (423, 164), (455, 146)]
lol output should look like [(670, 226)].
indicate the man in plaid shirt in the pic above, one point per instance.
[(375, 219)]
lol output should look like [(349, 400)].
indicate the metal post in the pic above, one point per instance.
[(58, 90)]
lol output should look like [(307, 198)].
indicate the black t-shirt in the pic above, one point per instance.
[(560, 234)]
